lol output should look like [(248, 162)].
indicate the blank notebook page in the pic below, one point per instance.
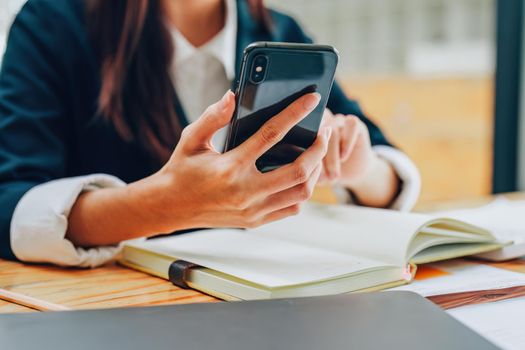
[(265, 261)]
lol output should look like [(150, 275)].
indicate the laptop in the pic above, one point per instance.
[(383, 320)]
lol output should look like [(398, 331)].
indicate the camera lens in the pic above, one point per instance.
[(258, 72)]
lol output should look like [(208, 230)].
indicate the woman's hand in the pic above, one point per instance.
[(350, 162), (199, 187), (204, 188)]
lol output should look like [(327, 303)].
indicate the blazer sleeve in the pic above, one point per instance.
[(33, 111), (338, 102)]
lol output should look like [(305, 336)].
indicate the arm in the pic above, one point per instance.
[(35, 193), (32, 150), (200, 187)]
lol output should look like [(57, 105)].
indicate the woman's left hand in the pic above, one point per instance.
[(349, 152), (350, 162)]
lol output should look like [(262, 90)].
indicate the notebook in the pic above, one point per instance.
[(386, 320), (326, 249)]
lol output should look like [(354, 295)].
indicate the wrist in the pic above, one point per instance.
[(162, 204), (358, 180), (110, 215), (146, 201), (377, 187)]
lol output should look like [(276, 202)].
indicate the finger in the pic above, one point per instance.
[(300, 170), (350, 134), (344, 136), (323, 178), (298, 193), (214, 118), (281, 214), (277, 127), (331, 162)]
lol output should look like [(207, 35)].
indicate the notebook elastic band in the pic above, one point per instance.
[(178, 273)]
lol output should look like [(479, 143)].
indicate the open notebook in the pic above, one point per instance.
[(324, 250)]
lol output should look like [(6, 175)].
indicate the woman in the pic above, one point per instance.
[(95, 99)]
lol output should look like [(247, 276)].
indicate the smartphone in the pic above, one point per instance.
[(273, 75)]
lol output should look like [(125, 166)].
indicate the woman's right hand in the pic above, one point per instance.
[(200, 187)]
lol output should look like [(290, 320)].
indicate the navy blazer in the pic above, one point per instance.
[(49, 84)]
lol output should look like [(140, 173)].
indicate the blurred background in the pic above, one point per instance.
[(422, 69)]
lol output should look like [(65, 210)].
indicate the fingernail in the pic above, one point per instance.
[(311, 101)]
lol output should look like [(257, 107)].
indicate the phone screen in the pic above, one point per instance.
[(272, 77)]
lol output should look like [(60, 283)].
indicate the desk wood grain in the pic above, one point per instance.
[(6, 307), (104, 287)]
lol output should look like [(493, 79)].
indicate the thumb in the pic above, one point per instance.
[(214, 118)]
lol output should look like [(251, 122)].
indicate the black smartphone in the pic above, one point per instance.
[(273, 75)]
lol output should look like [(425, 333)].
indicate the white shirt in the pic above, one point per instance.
[(201, 76)]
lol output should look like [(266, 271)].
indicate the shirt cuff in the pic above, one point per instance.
[(407, 172), (40, 219)]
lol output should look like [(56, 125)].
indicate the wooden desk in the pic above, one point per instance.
[(104, 287), (116, 286)]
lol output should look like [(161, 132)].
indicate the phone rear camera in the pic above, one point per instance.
[(259, 67)]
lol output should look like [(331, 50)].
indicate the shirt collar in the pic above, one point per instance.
[(222, 46)]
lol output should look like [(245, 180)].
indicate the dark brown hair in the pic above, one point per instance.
[(135, 49)]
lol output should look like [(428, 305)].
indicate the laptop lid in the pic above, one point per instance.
[(384, 320)]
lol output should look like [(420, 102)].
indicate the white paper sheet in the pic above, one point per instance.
[(465, 276), (501, 322), (505, 218)]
